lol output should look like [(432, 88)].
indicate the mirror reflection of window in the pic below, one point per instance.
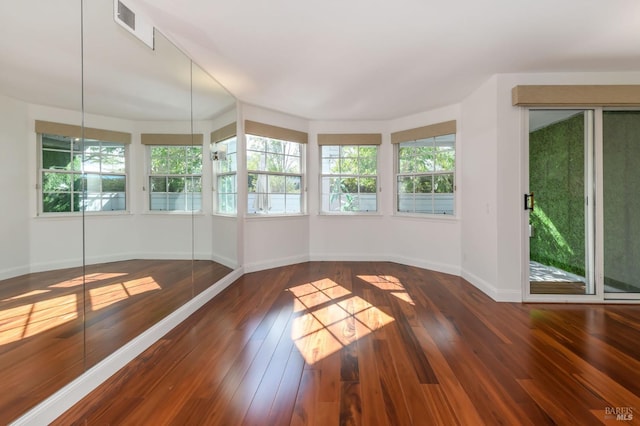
[(82, 175)]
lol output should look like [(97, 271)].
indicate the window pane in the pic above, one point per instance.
[(423, 203), (292, 148), (194, 160), (93, 183), (368, 185), (275, 163), (405, 166), (194, 184), (292, 203), (443, 183), (276, 184), (406, 203), (56, 202), (158, 184), (348, 151), (255, 160), (159, 160), (113, 164), (405, 152), (330, 151), (110, 148), (56, 182), (291, 164), (424, 184), (293, 184), (252, 182), (226, 184), (424, 159), (177, 160), (56, 143), (255, 143), (158, 201), (113, 183), (330, 166), (405, 184), (56, 160), (275, 146), (367, 165), (176, 184), (349, 166)]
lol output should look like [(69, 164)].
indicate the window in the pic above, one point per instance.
[(226, 167), (175, 177), (349, 179), (274, 169), (82, 175), (425, 169)]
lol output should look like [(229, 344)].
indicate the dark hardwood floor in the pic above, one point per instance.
[(361, 343), (48, 338)]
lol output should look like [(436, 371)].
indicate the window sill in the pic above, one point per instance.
[(76, 215), (427, 216), (350, 214), (258, 216)]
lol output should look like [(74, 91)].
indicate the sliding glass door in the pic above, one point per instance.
[(621, 204), (560, 214), (583, 204)]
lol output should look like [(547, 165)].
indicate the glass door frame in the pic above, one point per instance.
[(610, 297), (593, 211)]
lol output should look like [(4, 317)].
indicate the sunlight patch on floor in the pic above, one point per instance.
[(330, 319), (32, 318), (389, 283), (107, 295)]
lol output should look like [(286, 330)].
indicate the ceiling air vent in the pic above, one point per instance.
[(133, 23), (126, 16)]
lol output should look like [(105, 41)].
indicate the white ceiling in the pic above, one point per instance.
[(111, 73), (375, 59)]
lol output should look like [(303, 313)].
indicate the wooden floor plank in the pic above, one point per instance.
[(54, 325), (377, 343)]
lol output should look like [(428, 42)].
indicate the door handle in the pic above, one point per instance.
[(528, 201)]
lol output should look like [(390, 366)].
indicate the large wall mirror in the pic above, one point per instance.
[(107, 223)]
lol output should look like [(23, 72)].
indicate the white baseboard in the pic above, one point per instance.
[(274, 263), (491, 291), (425, 264), (54, 406)]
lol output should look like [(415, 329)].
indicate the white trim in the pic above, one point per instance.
[(426, 264), (493, 292), (275, 263), (54, 406)]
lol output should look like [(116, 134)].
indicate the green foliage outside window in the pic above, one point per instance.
[(425, 174), (349, 174), (64, 186)]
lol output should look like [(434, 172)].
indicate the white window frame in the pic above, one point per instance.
[(82, 174), (220, 156), (150, 175), (326, 195), (257, 211), (433, 174)]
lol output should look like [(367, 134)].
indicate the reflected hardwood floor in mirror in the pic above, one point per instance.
[(42, 335), (361, 343)]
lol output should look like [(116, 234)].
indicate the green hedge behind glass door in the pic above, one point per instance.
[(556, 177)]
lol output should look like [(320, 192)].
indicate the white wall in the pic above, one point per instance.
[(14, 207), (266, 241), (479, 175)]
